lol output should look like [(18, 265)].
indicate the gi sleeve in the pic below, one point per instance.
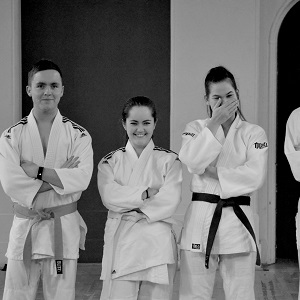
[(292, 143), (116, 197), (250, 176), (199, 148), (164, 204), (77, 179), (15, 182)]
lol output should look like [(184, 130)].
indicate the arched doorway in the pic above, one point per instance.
[(288, 79)]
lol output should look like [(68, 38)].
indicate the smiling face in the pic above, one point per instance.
[(45, 89), (139, 126)]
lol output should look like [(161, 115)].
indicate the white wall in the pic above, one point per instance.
[(10, 95)]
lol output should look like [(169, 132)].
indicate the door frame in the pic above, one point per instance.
[(272, 104)]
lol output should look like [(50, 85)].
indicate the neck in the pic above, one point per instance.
[(44, 116), (226, 125)]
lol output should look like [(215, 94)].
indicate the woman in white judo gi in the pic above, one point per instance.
[(292, 152), (140, 184), (228, 158)]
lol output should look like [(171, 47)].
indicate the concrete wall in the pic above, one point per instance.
[(10, 85)]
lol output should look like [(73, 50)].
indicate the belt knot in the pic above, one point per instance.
[(45, 215)]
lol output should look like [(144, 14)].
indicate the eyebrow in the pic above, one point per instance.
[(217, 95), (43, 82), (147, 120)]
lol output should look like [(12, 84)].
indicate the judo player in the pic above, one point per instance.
[(140, 184), (228, 159), (291, 150), (46, 161)]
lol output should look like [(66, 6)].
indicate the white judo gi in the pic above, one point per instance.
[(291, 150), (139, 247), (22, 142), (241, 162)]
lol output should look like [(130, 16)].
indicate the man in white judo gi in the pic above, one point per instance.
[(292, 152), (46, 161)]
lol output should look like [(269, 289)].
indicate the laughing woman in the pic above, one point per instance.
[(140, 184), (228, 159)]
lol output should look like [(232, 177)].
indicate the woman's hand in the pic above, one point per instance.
[(221, 112), (149, 193), (152, 192)]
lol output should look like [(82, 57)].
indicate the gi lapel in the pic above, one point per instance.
[(140, 164), (37, 147), (53, 141), (224, 155)]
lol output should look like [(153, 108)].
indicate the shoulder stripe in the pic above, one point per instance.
[(74, 125), (109, 155), (21, 122), (165, 150)]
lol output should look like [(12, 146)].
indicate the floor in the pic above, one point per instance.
[(273, 282)]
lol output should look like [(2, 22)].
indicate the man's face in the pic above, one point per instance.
[(46, 89)]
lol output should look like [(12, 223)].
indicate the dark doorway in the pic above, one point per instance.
[(288, 190), (109, 51)]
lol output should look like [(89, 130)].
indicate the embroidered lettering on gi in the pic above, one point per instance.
[(7, 136), (82, 135), (59, 266), (196, 246), (113, 272), (189, 133), (260, 145)]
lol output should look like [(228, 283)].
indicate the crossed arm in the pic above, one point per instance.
[(49, 176)]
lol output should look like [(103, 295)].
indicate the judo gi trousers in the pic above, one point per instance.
[(237, 271), (143, 290), (55, 287)]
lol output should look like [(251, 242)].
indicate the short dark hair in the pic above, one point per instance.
[(42, 65), (138, 101)]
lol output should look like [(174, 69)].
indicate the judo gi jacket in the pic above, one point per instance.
[(22, 142), (241, 162), (138, 246)]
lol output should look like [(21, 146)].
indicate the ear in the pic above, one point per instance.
[(206, 100), (62, 91), (155, 123), (28, 90), (237, 94), (124, 126)]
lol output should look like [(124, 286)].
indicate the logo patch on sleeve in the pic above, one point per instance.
[(189, 133), (196, 246), (260, 145)]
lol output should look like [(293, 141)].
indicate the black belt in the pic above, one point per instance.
[(234, 202)]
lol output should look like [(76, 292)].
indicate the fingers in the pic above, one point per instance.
[(218, 104), (71, 163), (152, 192)]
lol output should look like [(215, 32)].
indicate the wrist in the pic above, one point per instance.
[(40, 173), (145, 194)]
